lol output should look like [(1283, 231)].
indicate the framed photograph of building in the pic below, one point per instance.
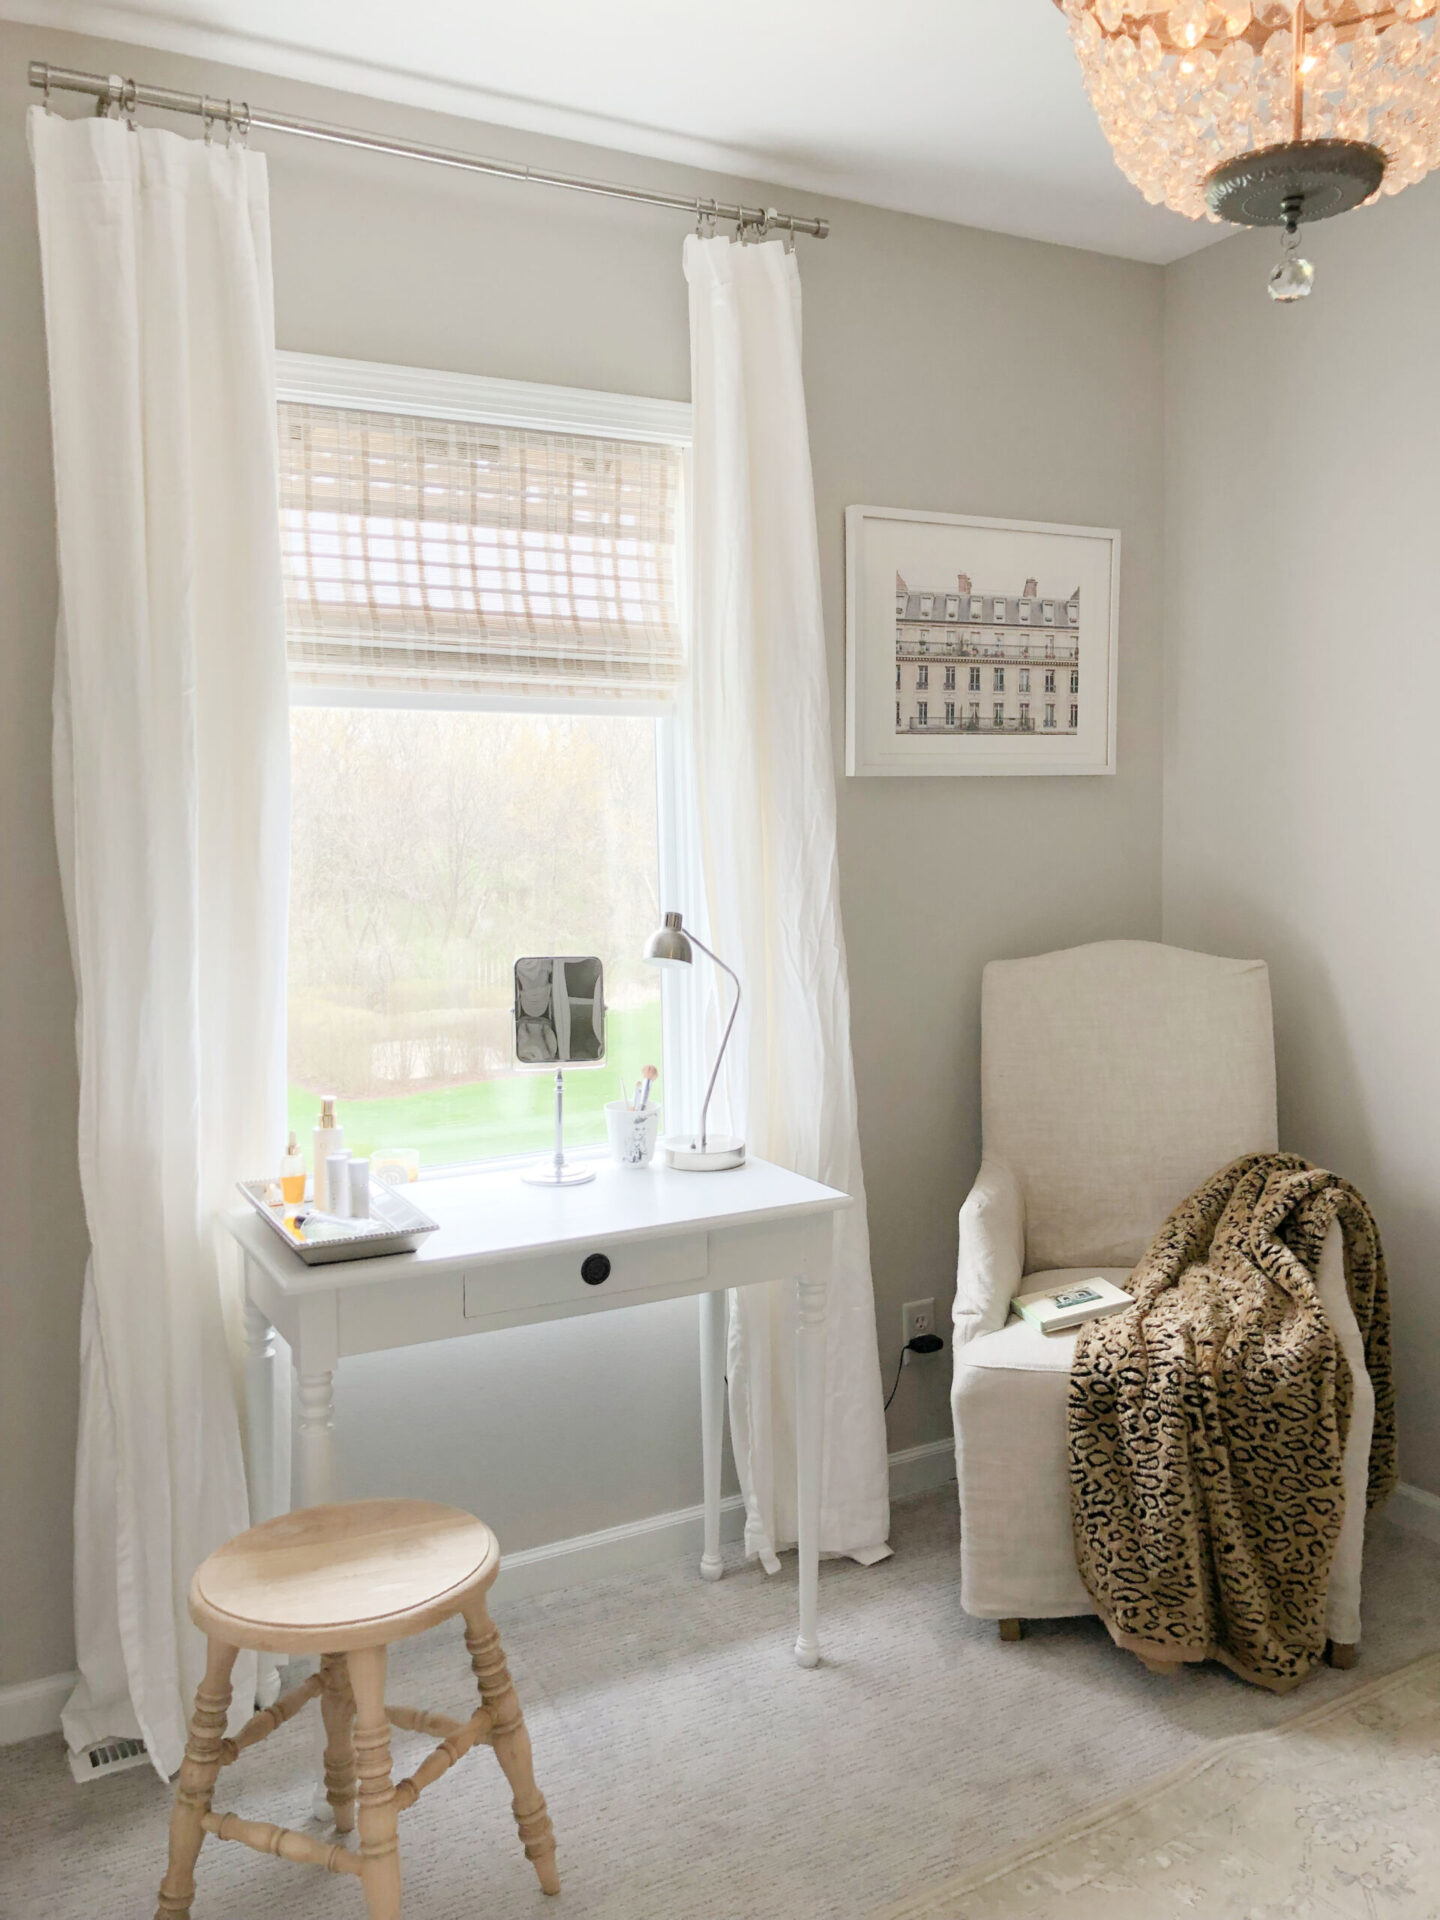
[(978, 646)]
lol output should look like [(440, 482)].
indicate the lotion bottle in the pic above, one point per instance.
[(329, 1138), (292, 1173)]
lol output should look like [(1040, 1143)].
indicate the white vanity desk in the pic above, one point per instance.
[(509, 1255)]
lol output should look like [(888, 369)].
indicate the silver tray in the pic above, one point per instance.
[(395, 1225)]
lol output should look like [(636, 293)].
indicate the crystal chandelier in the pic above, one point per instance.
[(1264, 112)]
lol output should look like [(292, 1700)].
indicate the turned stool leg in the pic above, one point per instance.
[(379, 1816), (337, 1708), (197, 1781), (511, 1741)]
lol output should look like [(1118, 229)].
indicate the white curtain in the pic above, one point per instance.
[(760, 723), (171, 804)]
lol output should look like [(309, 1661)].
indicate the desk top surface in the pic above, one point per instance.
[(493, 1216)]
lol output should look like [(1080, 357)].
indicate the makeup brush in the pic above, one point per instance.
[(642, 1092)]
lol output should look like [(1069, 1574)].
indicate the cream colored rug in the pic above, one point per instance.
[(1336, 1813)]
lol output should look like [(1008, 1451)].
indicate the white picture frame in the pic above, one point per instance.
[(1017, 620)]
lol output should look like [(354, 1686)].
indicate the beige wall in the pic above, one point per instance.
[(1303, 699), (946, 368)]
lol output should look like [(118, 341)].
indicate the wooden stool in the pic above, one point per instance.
[(344, 1581)]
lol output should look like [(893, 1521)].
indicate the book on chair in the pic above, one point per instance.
[(1061, 1309)]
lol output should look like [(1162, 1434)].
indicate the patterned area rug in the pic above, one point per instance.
[(1335, 1814)]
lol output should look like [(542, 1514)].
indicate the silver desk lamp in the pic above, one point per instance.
[(704, 1152)]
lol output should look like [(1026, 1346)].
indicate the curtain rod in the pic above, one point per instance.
[(111, 91)]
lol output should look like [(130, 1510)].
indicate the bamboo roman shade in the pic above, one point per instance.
[(448, 556)]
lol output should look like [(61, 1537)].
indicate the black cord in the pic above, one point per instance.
[(896, 1388), (922, 1343)]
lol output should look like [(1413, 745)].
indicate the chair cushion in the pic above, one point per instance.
[(1020, 1348), (1114, 1079)]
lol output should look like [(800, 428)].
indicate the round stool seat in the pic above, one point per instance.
[(358, 1573)]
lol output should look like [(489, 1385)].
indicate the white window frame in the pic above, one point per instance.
[(433, 394)]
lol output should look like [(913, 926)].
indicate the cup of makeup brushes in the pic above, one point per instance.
[(633, 1132)]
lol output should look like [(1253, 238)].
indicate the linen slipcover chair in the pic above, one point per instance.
[(1114, 1079)]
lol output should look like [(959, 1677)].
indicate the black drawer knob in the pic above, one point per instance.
[(595, 1268)]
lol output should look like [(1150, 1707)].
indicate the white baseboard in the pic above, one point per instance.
[(33, 1707), (624, 1549), (1415, 1510), (668, 1536), (922, 1469)]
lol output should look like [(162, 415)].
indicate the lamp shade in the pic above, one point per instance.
[(669, 946)]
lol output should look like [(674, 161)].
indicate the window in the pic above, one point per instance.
[(1074, 716), (1024, 713), (897, 676), (1024, 613), (483, 639), (922, 676), (1049, 680), (1024, 679), (999, 713), (1049, 713), (974, 713), (974, 679), (999, 681), (999, 609), (1047, 612), (922, 713), (1074, 679), (949, 713), (952, 606), (927, 605), (949, 679), (897, 716), (977, 610)]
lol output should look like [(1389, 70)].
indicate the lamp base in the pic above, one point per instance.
[(719, 1154), (546, 1173)]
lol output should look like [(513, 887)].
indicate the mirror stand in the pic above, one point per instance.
[(557, 1171)]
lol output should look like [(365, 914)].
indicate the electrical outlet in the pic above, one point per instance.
[(917, 1316)]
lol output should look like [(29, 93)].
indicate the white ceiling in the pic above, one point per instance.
[(968, 110)]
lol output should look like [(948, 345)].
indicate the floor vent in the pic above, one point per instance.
[(107, 1756)]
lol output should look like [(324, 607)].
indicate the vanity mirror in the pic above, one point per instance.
[(559, 1023)]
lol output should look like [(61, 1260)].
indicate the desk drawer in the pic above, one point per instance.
[(586, 1276)]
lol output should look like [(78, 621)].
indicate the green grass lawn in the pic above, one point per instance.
[(451, 1125)]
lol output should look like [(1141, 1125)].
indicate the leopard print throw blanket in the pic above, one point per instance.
[(1207, 1424)]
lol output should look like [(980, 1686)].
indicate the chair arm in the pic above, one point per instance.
[(992, 1252)]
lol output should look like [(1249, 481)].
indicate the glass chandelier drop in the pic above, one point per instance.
[(1264, 112)]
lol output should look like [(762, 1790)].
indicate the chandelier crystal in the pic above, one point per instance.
[(1263, 112)]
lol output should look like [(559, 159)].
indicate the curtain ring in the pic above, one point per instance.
[(229, 122), (242, 131), (128, 105), (207, 117), (45, 99)]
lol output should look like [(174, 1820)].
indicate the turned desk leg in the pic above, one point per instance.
[(714, 1327), (265, 1450), (809, 1437)]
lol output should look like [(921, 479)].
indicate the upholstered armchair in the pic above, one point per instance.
[(1114, 1079)]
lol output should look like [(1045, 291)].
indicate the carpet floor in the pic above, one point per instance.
[(695, 1773)]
